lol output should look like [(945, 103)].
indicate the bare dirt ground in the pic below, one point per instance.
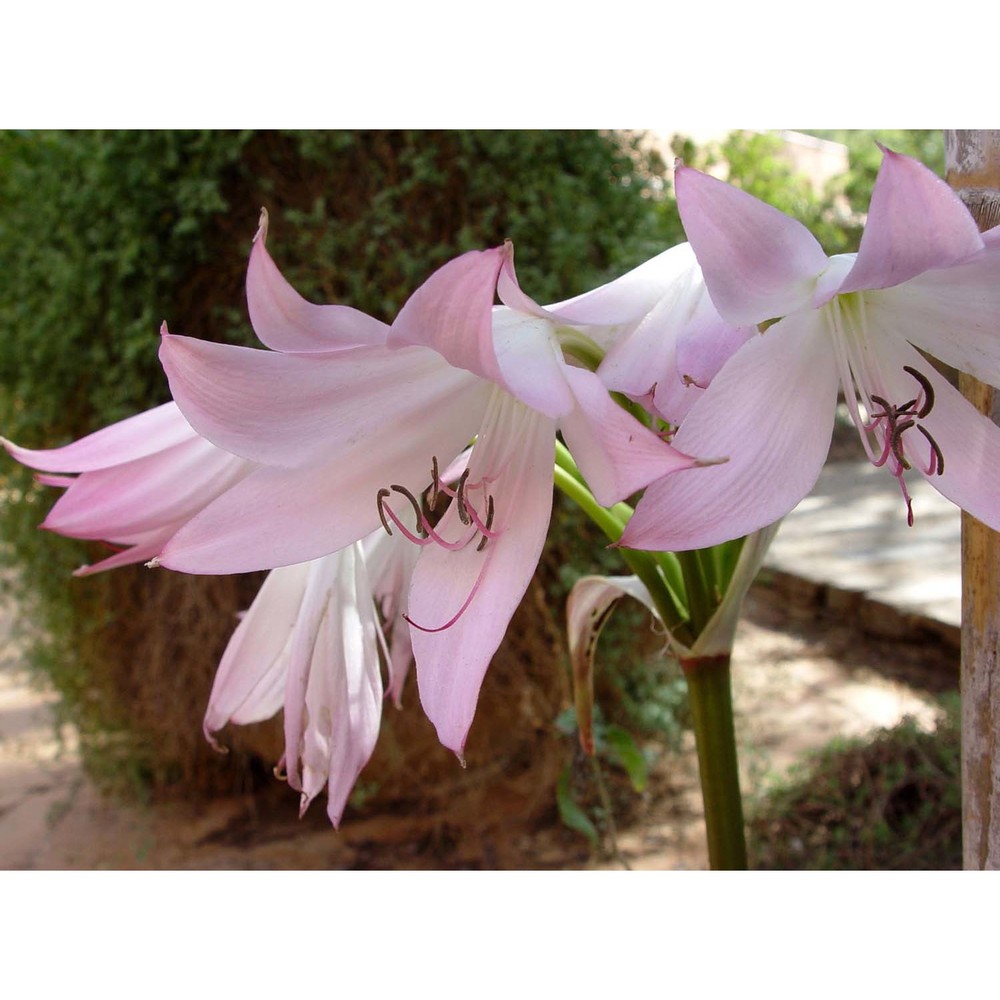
[(803, 673)]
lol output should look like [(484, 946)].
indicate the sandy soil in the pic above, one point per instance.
[(801, 677)]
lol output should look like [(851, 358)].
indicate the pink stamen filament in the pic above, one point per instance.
[(461, 611)]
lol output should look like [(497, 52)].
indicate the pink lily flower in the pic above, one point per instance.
[(310, 643), (348, 438), (136, 482), (923, 277)]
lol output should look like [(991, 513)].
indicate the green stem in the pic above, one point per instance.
[(711, 700)]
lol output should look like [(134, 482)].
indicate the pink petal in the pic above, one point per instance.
[(951, 313), (147, 494), (451, 312), (770, 411), (130, 439), (333, 693), (628, 299), (758, 263), (250, 683), (516, 447), (675, 351), (616, 454), (291, 410), (586, 615), (139, 550), (278, 516), (915, 223), (531, 362), (390, 561), (285, 321)]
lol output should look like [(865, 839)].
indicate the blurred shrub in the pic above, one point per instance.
[(892, 801)]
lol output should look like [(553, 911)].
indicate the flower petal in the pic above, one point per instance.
[(616, 454), (531, 363), (515, 451), (250, 683), (333, 693), (758, 263), (769, 411), (627, 299), (451, 312), (139, 550), (291, 410), (144, 434), (285, 321), (952, 313), (915, 223), (276, 516), (147, 494), (390, 562), (676, 350), (586, 614)]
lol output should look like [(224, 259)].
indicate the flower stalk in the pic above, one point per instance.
[(710, 695)]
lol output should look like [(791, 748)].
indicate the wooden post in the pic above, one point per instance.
[(973, 170)]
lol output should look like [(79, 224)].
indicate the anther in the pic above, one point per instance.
[(937, 456), (896, 441), (435, 479), (460, 500), (379, 502), (421, 529), (489, 524), (928, 392)]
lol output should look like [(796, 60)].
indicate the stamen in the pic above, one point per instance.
[(937, 456), (379, 501), (485, 529), (463, 513), (928, 391), (435, 480), (897, 441), (421, 527), (461, 611)]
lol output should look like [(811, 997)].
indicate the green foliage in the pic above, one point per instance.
[(888, 802)]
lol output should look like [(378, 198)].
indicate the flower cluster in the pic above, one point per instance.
[(397, 478)]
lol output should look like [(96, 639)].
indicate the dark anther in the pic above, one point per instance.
[(379, 501), (421, 530), (896, 440), (900, 419), (928, 392), (460, 500), (938, 454), (435, 479), (489, 524)]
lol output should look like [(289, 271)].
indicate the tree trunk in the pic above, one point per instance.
[(973, 170)]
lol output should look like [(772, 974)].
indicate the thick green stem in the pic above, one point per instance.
[(712, 715)]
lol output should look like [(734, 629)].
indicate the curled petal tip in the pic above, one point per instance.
[(215, 744), (702, 462), (164, 332), (261, 233), (461, 760), (153, 563)]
